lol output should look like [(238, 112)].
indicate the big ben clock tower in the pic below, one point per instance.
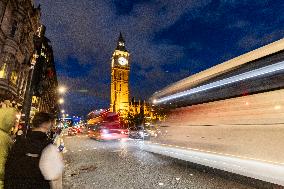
[(120, 79)]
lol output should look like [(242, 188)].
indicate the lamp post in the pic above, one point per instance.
[(62, 89), (61, 101)]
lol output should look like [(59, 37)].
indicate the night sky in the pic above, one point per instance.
[(168, 41)]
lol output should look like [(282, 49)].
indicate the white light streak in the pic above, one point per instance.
[(247, 75)]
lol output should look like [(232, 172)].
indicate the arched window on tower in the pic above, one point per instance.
[(14, 75), (3, 71), (14, 28)]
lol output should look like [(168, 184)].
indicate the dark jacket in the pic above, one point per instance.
[(22, 167)]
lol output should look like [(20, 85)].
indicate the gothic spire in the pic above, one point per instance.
[(121, 43)]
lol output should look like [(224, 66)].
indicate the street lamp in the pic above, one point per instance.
[(62, 111), (61, 101), (62, 89)]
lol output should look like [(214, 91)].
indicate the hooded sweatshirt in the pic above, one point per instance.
[(7, 121)]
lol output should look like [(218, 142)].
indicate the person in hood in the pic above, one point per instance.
[(7, 121), (34, 162)]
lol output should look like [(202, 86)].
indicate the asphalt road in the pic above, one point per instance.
[(123, 164)]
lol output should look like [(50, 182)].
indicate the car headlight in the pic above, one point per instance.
[(105, 131)]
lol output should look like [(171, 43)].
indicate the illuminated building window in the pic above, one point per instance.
[(3, 71), (14, 77)]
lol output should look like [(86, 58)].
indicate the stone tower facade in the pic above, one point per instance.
[(120, 68)]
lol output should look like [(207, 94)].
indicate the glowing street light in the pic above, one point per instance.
[(62, 111), (62, 89), (61, 101)]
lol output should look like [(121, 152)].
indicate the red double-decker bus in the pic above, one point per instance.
[(105, 125)]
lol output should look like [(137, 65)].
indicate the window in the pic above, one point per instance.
[(14, 77), (3, 71), (14, 28)]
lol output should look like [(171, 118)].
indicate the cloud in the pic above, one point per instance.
[(87, 31), (198, 34), (252, 41)]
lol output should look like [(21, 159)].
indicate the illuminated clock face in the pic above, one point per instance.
[(122, 61)]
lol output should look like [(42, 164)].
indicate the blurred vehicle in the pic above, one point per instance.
[(79, 129), (109, 129), (72, 131), (139, 133), (153, 130)]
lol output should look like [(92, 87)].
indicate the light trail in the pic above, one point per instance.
[(247, 75), (264, 170)]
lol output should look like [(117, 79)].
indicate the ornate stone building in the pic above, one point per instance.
[(138, 107), (19, 21), (44, 81), (120, 68)]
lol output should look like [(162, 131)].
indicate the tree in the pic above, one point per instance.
[(135, 120)]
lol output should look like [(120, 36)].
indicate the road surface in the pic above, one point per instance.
[(122, 164)]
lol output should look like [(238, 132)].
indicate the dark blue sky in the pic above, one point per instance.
[(168, 40)]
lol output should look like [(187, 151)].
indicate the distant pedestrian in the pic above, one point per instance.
[(19, 134), (34, 162), (7, 121)]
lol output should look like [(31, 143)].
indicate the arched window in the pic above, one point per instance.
[(3, 71), (14, 28), (14, 76), (14, 71)]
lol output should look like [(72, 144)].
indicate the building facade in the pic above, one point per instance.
[(22, 44), (20, 21), (140, 107), (44, 83), (120, 68)]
